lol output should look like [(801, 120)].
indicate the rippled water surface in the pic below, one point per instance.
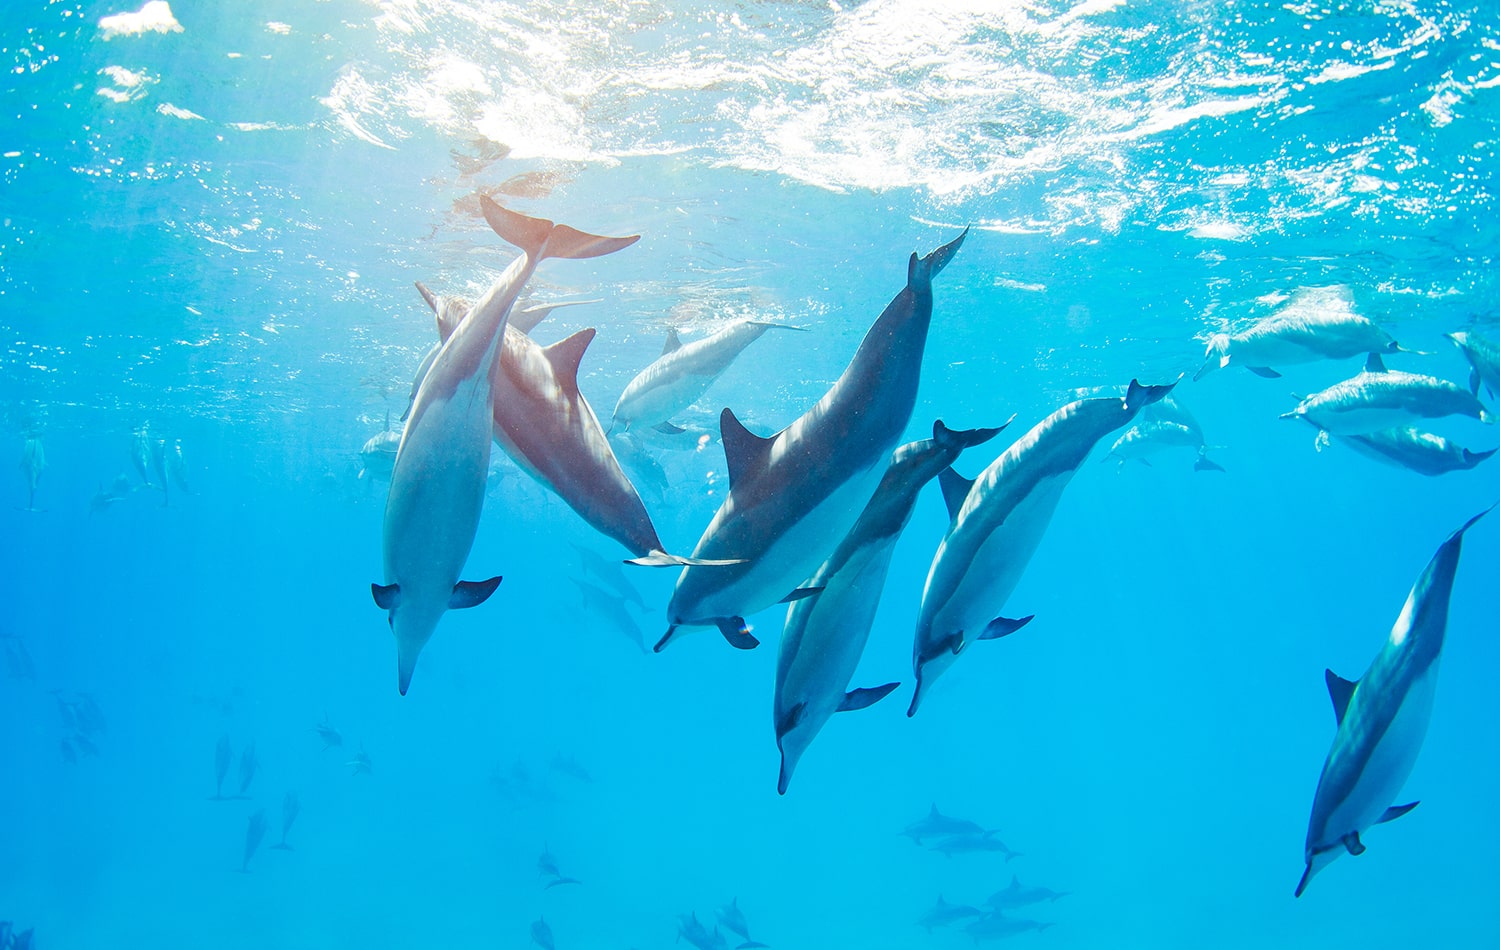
[(211, 218)]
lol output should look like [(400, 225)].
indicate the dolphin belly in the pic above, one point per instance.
[(1358, 420)]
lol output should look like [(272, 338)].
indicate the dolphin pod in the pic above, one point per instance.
[(544, 424), (998, 521), (682, 374), (793, 495), (1382, 719), (825, 632), (437, 482)]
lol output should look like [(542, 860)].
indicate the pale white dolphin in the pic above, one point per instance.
[(998, 521), (682, 374), (1318, 323), (794, 495), (1382, 719), (826, 632), (1379, 399), (438, 481), (33, 460)]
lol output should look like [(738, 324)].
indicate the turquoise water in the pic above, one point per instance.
[(212, 232)]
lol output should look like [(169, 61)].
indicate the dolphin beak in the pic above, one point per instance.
[(785, 778), (406, 664)]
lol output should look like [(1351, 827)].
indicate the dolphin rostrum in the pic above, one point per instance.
[(546, 425), (794, 495), (1318, 323), (1382, 719), (998, 521), (682, 374), (826, 631), (1379, 399), (437, 483)]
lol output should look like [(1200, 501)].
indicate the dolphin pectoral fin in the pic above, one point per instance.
[(1474, 382), (1146, 462), (540, 238), (745, 453), (528, 319), (737, 633), (665, 638), (1395, 811), (387, 596), (1353, 844), (663, 559), (1307, 874), (800, 594), (1264, 372), (1002, 627), (472, 593), (1339, 690), (868, 696), (1206, 464), (666, 428), (955, 489)]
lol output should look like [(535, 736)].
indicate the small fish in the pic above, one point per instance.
[(253, 835), (249, 765), (972, 844), (541, 934), (360, 764), (290, 808), (944, 913), (223, 753)]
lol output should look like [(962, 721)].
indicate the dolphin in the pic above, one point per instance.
[(943, 913), (177, 467), (826, 632), (290, 808), (1020, 895), (159, 468), (997, 926), (438, 481), (603, 604), (998, 521), (1484, 358), (33, 460), (546, 864), (794, 495), (18, 661), (682, 374), (1410, 448), (223, 754), (541, 934), (1318, 323), (361, 764), (938, 825), (733, 920), (557, 881), (254, 832), (1379, 399), (973, 844), (1382, 719), (546, 425), (378, 455), (1164, 425), (610, 574), (331, 737), (249, 765), (140, 454), (571, 767)]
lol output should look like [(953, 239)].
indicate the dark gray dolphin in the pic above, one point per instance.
[(943, 913), (546, 425), (935, 824), (826, 632), (541, 934), (438, 481), (1382, 719), (998, 521), (254, 832), (997, 926), (1379, 399), (1484, 359), (682, 374), (602, 603), (1410, 448), (1020, 895), (1318, 323), (794, 495), (291, 807)]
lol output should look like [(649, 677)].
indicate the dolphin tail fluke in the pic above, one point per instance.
[(663, 559), (1138, 396), (527, 320), (965, 438), (1302, 884), (541, 238), (1472, 459), (921, 270)]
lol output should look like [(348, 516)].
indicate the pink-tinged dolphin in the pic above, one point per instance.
[(794, 495), (437, 483), (998, 521), (1382, 719)]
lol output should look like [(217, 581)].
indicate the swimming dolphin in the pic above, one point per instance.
[(378, 455), (794, 495), (1410, 448), (826, 632), (140, 454), (1318, 323), (1484, 358), (546, 425), (996, 926), (603, 604), (1162, 426), (18, 661), (610, 574), (1020, 895), (943, 913), (331, 737), (682, 374), (1379, 399), (973, 844), (546, 864), (177, 467), (33, 460), (223, 753), (691, 930), (159, 468), (998, 521), (541, 934), (437, 484), (938, 825), (1382, 719), (360, 764), (733, 920), (253, 835), (249, 765), (118, 490), (290, 809)]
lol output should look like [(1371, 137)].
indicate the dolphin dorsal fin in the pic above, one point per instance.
[(672, 345), (1374, 364), (955, 489), (744, 451), (565, 355), (1339, 690)]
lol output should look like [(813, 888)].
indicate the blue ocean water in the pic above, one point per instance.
[(211, 216)]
